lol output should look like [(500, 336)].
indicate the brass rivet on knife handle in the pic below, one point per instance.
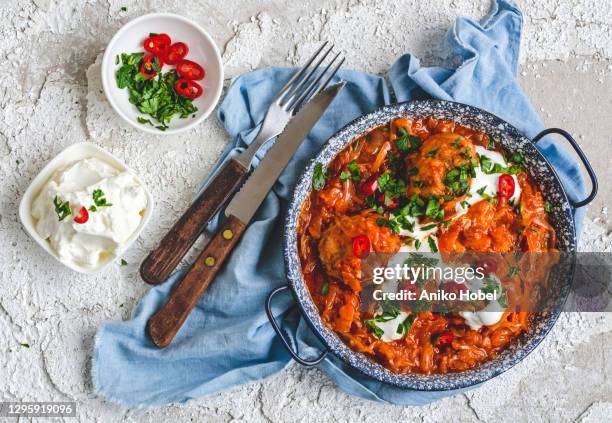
[(165, 324), (162, 261)]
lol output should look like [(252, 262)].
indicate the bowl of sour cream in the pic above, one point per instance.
[(85, 208)]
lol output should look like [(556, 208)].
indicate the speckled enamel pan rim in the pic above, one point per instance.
[(542, 173)]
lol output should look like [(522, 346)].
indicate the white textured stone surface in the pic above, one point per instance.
[(50, 97)]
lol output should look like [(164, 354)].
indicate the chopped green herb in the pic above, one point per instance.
[(517, 157), (99, 200), (154, 97), (62, 208), (456, 179), (417, 244), (485, 196), (404, 327), (124, 9), (428, 227), (512, 272), (371, 324), (325, 288), (344, 176), (547, 206), (412, 171), (93, 208), (491, 145), (434, 210), (24, 344), (465, 204), (117, 59), (432, 153), (488, 167), (123, 262), (407, 143), (318, 177), (353, 168), (432, 244)]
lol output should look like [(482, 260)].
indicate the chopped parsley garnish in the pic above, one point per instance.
[(62, 208), (456, 179), (155, 97), (465, 204), (432, 153), (390, 186), (325, 288), (412, 171), (99, 200), (353, 172), (404, 327), (123, 262), (434, 210), (428, 227), (371, 324), (406, 143), (547, 206), (512, 272), (24, 344), (432, 244), (488, 167), (517, 157), (485, 196), (318, 177), (491, 145), (417, 244)]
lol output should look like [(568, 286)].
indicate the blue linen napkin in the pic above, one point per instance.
[(228, 340)]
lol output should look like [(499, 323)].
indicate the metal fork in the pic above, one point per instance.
[(160, 263), (290, 97)]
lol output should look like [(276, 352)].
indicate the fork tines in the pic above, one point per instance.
[(307, 81)]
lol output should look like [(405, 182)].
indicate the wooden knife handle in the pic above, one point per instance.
[(162, 261), (165, 324)]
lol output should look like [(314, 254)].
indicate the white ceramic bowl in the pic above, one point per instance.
[(71, 154), (202, 49)]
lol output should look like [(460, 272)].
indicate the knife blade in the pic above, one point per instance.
[(165, 324), (247, 200)]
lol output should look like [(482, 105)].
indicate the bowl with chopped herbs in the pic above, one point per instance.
[(162, 73)]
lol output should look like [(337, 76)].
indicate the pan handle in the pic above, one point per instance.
[(583, 158), (281, 335)]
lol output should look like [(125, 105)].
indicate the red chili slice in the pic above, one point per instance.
[(147, 68), (370, 186), (82, 217), (188, 88), (487, 266), (157, 43), (176, 52), (505, 186), (191, 70), (361, 246), (446, 338), (389, 203)]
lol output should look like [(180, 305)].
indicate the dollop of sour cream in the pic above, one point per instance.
[(487, 181), (107, 230)]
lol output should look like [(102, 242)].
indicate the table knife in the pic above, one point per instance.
[(165, 324)]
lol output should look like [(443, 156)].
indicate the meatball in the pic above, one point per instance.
[(439, 154), (336, 245)]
